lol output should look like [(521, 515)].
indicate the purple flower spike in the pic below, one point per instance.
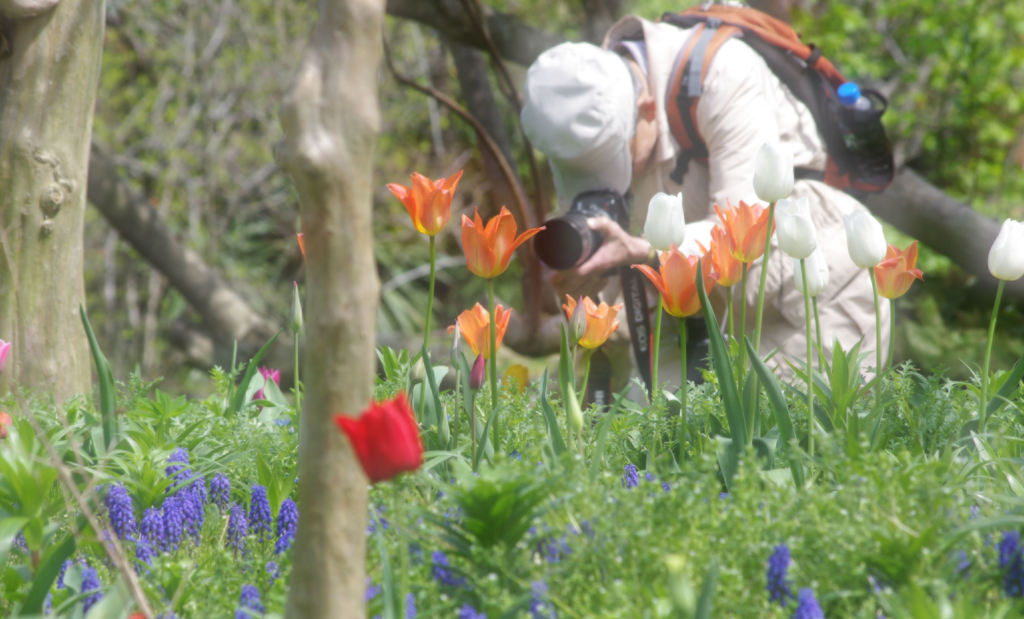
[(238, 527), (220, 490), (287, 522), (260, 518), (121, 512), (90, 583), (630, 476), (808, 607), (249, 601), (778, 564)]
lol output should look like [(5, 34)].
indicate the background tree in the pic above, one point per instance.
[(330, 118), (49, 70)]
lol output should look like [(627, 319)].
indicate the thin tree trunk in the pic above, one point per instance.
[(49, 73), (330, 119)]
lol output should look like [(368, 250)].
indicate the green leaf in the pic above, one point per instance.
[(1008, 387), (554, 434), (108, 405), (779, 408), (723, 369), (434, 375), (238, 399), (46, 575), (705, 604)]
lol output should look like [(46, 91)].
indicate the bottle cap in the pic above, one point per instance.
[(848, 93)]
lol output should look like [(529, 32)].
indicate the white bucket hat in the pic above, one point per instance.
[(580, 110)]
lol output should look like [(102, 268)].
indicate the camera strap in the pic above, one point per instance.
[(638, 317)]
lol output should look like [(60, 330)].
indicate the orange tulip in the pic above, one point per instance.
[(301, 238), (601, 321), (726, 270), (428, 202), (896, 272), (489, 249), (676, 280), (475, 326), (745, 226)]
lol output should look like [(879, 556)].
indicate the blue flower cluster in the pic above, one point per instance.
[(778, 565), (442, 572), (468, 612), (287, 522), (630, 476), (540, 607), (121, 511), (91, 585), (1012, 563), (249, 600), (220, 490), (238, 527), (807, 606), (260, 518), (178, 463)]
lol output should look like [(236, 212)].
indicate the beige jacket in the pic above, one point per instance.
[(743, 105)]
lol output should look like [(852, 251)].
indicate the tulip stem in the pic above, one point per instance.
[(743, 318), (817, 330), (296, 383), (878, 325), (684, 386), (764, 277), (988, 355), (732, 321), (807, 360), (892, 333), (587, 353), (494, 355), (430, 294), (656, 350)]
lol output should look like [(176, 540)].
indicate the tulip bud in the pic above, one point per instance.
[(666, 224), (572, 410), (773, 172), (578, 322), (794, 227), (476, 375), (5, 349), (296, 313), (817, 273), (454, 350), (5, 421), (865, 239), (1006, 258)]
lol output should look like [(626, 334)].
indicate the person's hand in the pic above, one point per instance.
[(618, 249)]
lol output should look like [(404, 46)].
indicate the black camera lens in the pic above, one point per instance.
[(566, 241)]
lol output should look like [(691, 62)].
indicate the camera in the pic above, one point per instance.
[(567, 241)]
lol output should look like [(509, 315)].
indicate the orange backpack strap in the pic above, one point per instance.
[(685, 88)]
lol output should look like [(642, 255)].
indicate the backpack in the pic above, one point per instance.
[(859, 155)]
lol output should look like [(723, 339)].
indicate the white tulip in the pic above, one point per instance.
[(1006, 258), (666, 223), (865, 239), (817, 273), (797, 236), (773, 172)]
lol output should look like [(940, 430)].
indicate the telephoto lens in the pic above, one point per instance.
[(566, 241)]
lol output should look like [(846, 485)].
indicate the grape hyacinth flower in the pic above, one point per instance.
[(220, 490), (540, 608), (1012, 563), (630, 476), (177, 465), (153, 529), (260, 517), (175, 513), (468, 612), (441, 571), (238, 527), (372, 590), (273, 570), (410, 606), (90, 583), (63, 570), (287, 522), (778, 564), (807, 606), (249, 600), (121, 512), (143, 551)]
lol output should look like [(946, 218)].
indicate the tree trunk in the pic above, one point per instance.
[(330, 120), (49, 72)]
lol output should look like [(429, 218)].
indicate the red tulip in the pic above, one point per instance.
[(385, 438), (896, 272)]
